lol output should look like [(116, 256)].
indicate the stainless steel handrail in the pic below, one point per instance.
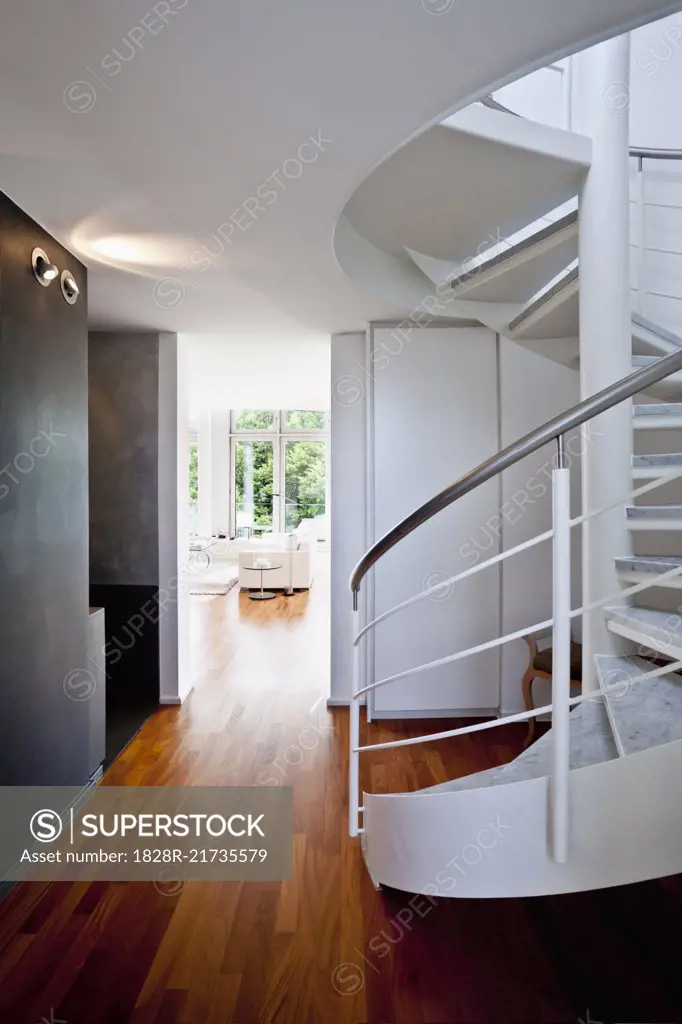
[(554, 428), (656, 154), (493, 104)]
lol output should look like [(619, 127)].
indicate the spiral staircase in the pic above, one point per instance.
[(594, 802)]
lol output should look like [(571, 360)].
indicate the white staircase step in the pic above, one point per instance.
[(649, 467), (655, 630), (523, 170), (517, 272), (560, 342), (660, 416), (591, 743), (654, 517), (652, 339), (636, 569), (644, 714), (553, 312)]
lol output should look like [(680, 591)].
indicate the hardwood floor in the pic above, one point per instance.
[(323, 947)]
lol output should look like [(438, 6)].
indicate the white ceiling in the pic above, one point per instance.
[(164, 147)]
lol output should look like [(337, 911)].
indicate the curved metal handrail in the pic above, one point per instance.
[(493, 104), (513, 453), (655, 154)]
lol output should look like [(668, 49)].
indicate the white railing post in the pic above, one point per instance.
[(567, 94), (561, 655), (640, 203), (354, 724)]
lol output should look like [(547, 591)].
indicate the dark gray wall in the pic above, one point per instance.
[(133, 518), (43, 513), (124, 448)]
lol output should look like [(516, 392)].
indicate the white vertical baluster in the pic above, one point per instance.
[(354, 726), (641, 238), (561, 647), (567, 94)]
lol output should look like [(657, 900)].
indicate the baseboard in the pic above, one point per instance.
[(174, 700), (80, 798), (424, 714), (338, 702)]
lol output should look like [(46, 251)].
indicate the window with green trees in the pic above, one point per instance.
[(255, 419), (304, 419), (278, 481), (305, 478), (254, 482), (193, 488)]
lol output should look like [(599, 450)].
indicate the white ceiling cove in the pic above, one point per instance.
[(197, 154)]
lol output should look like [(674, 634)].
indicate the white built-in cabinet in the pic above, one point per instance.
[(435, 416)]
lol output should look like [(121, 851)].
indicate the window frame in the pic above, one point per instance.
[(278, 436), (253, 431), (286, 429)]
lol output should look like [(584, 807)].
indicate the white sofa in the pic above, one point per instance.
[(294, 552)]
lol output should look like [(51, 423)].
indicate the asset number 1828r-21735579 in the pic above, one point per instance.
[(200, 856)]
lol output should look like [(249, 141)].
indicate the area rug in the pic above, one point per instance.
[(211, 589)]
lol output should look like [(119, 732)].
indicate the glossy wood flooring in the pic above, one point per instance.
[(324, 947)]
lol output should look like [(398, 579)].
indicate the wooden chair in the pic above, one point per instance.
[(540, 667)]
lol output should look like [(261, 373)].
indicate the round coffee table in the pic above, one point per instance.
[(263, 595)]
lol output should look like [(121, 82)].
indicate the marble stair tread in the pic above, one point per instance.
[(654, 511), (591, 742), (665, 627), (658, 409), (644, 714), (648, 563), (668, 459)]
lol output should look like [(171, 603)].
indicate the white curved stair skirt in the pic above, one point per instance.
[(486, 836)]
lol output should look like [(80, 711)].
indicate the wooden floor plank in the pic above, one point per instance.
[(323, 947)]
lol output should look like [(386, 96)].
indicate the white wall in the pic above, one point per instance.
[(454, 392), (349, 404), (435, 418), (254, 372), (656, 192), (533, 389), (656, 241), (541, 96), (656, 84)]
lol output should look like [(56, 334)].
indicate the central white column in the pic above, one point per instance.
[(603, 108)]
